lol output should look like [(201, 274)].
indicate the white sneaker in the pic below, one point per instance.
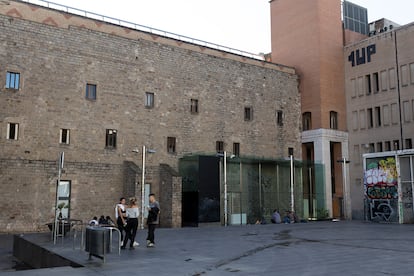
[(135, 244), (150, 245)]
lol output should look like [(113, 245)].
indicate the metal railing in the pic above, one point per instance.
[(143, 28)]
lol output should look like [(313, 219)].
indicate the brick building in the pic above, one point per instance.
[(97, 90)]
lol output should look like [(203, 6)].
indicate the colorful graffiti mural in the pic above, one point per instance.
[(381, 188)]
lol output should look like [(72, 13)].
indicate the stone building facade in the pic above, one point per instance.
[(96, 91)]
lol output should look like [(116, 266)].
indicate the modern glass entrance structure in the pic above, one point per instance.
[(255, 187)]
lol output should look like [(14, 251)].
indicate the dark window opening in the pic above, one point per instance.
[(368, 84), (248, 113), (279, 117), (220, 146), (376, 83), (370, 119), (64, 136), (111, 138), (408, 143), (194, 106), (236, 149), (377, 116), (171, 144), (307, 121), (12, 131)]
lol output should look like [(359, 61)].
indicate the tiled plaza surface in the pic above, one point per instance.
[(315, 248)]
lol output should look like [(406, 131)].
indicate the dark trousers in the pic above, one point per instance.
[(151, 229), (121, 227), (131, 231)]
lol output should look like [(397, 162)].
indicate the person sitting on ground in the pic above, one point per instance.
[(276, 217), (110, 221), (287, 218), (102, 220), (94, 222)]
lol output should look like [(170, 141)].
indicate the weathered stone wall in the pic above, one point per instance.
[(55, 64)]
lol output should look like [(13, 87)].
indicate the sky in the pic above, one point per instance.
[(239, 24)]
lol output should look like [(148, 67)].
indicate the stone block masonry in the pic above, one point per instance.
[(55, 64)]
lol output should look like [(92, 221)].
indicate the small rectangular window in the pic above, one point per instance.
[(64, 136), (370, 119), (357, 154), (394, 114), (236, 149), (376, 82), (362, 119), (149, 100), (378, 116), (220, 146), (384, 83), (248, 113), (368, 87), (371, 147), (355, 120), (386, 114), (412, 73), (194, 106), (354, 88), (404, 75), (333, 120), (171, 144), (379, 147), (361, 89), (111, 138), (406, 111), (396, 144), (387, 145), (13, 80), (306, 121), (12, 131), (279, 117), (392, 78), (408, 143), (91, 91)]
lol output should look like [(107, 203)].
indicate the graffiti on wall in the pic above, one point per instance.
[(381, 188)]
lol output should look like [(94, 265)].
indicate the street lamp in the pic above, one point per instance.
[(224, 155), (345, 187), (144, 151), (292, 196)]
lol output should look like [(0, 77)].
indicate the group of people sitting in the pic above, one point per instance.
[(103, 221), (290, 217)]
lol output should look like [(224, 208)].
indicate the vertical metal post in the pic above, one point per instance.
[(143, 187), (260, 190), (55, 224), (225, 189), (241, 193), (292, 197), (344, 187)]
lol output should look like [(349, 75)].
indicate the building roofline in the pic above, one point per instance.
[(394, 30), (225, 51)]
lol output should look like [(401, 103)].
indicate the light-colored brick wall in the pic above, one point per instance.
[(56, 63)]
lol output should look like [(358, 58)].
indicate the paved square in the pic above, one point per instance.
[(316, 248)]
